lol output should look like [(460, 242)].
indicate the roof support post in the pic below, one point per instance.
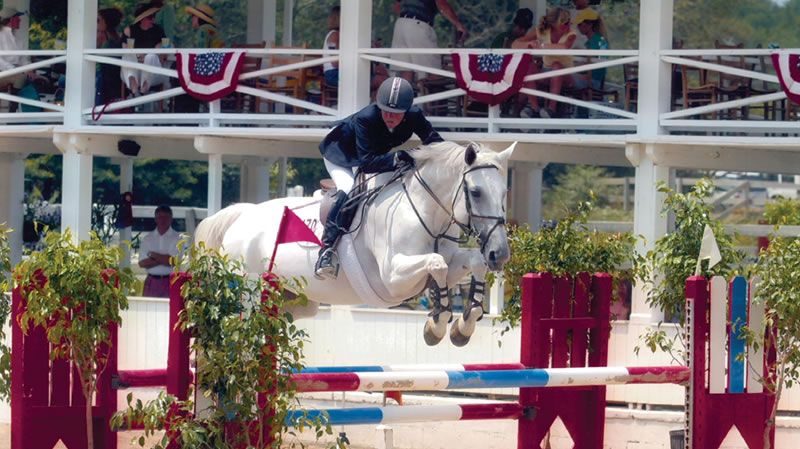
[(255, 179), (215, 169), (79, 94), (526, 188), (125, 185), (655, 76), (76, 192), (355, 33), (12, 184)]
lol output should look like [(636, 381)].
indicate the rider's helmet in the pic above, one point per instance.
[(395, 95)]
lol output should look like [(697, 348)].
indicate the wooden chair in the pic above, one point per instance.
[(630, 74), (433, 84), (250, 64), (732, 87), (291, 83), (696, 88)]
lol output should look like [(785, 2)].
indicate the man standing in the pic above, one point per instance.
[(414, 29), (155, 252)]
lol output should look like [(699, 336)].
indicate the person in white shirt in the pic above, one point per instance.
[(155, 252), (9, 21)]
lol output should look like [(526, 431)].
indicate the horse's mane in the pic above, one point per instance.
[(451, 154)]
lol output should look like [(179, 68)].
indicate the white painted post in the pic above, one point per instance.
[(282, 176), (214, 107), (384, 437), (76, 192), (355, 33), (214, 183), (494, 113), (12, 183), (261, 20), (527, 190), (79, 94), (288, 18), (497, 295), (125, 185), (655, 76), (255, 180)]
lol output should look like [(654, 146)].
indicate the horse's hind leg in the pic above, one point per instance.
[(468, 260)]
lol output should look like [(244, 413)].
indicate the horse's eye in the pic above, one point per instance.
[(475, 192)]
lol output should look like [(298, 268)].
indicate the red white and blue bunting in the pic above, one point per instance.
[(209, 76), (490, 78), (787, 66)]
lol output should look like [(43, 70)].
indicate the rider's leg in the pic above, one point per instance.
[(326, 266)]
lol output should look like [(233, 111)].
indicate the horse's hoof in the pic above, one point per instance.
[(456, 337), (432, 338)]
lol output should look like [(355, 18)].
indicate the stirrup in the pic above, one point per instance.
[(329, 270)]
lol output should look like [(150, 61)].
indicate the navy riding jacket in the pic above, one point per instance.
[(363, 140)]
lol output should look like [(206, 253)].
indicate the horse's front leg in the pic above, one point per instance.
[(407, 270), (462, 262)]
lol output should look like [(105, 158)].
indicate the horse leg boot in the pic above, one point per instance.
[(440, 315), (327, 266), (468, 261)]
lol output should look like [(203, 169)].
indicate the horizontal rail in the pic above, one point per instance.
[(450, 380), (172, 51), (288, 67), (408, 414), (409, 66), (428, 367), (582, 68), (721, 68), (498, 51), (575, 102), (733, 104)]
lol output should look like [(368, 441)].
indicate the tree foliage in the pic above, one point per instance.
[(782, 211)]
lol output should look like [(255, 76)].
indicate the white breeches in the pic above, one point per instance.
[(143, 77), (343, 177)]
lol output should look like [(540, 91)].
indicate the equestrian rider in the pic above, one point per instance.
[(362, 142)]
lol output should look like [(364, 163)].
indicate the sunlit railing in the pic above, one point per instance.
[(251, 84), (614, 117), (702, 103), (41, 64)]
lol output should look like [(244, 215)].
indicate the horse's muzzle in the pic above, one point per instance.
[(497, 258)]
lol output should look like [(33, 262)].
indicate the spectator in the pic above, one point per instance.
[(590, 25), (330, 70), (165, 18), (204, 21), (155, 252), (9, 22), (108, 85), (414, 29), (553, 32), (578, 6), (143, 33), (523, 21)]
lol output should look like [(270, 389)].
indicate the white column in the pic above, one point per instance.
[(255, 175), (79, 94), (125, 185), (527, 190), (214, 183), (282, 176), (261, 20), (355, 33), (647, 219), (76, 193), (288, 19), (12, 184), (23, 34), (655, 77)]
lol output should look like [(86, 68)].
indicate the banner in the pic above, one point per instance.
[(490, 78), (209, 76), (787, 66)]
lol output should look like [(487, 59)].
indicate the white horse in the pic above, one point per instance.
[(408, 233)]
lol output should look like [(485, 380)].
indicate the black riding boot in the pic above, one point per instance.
[(327, 266)]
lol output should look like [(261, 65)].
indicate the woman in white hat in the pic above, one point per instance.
[(143, 33), (205, 22)]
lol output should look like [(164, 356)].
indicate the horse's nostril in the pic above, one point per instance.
[(492, 256)]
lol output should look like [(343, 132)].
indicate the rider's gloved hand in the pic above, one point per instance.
[(402, 157)]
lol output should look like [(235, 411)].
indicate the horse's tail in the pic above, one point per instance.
[(212, 230)]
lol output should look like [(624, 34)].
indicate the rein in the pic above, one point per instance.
[(467, 228)]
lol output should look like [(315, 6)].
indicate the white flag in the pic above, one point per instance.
[(708, 250)]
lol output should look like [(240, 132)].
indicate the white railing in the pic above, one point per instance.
[(623, 120), (215, 116), (51, 111), (757, 67)]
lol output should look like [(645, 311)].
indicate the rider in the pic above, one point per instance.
[(362, 142)]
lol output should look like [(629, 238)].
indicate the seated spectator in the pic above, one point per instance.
[(330, 70), (553, 32), (590, 25), (523, 21), (166, 19), (9, 22), (205, 23), (108, 84), (143, 33), (578, 6)]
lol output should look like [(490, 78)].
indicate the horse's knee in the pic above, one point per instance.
[(437, 267)]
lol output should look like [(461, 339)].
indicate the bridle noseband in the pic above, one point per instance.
[(467, 228)]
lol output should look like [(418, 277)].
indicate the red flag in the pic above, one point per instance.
[(292, 229), (490, 78), (209, 76), (397, 396)]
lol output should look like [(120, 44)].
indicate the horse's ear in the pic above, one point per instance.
[(505, 155), (470, 155)]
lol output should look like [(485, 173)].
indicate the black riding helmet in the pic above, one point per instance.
[(395, 95)]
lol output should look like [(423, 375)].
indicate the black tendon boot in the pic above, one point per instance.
[(327, 266)]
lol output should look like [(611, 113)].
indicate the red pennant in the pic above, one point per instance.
[(787, 67), (292, 229)]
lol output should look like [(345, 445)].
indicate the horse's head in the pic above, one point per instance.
[(483, 194)]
